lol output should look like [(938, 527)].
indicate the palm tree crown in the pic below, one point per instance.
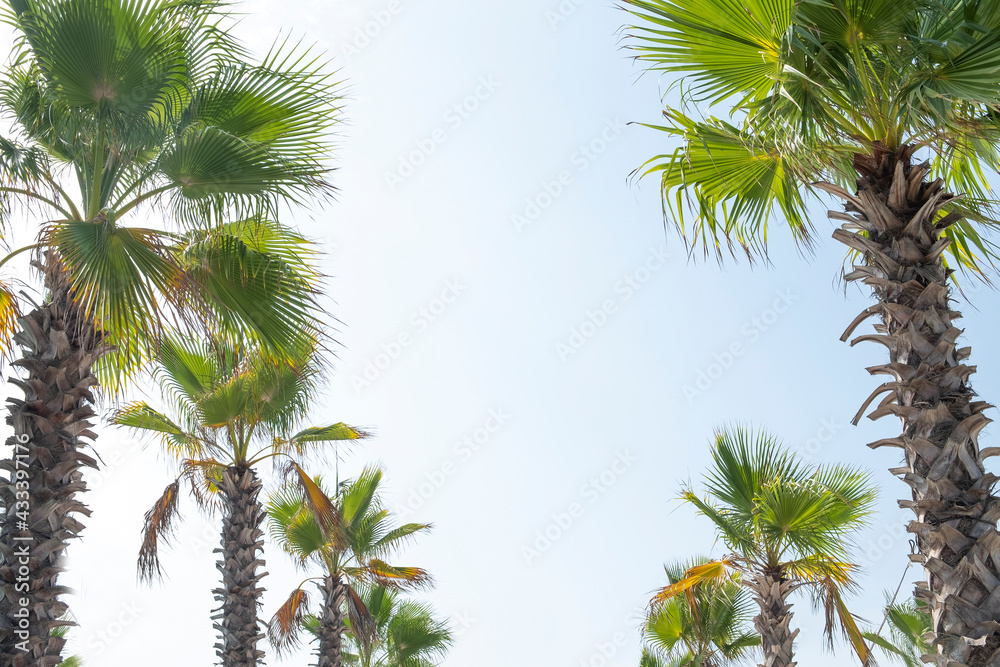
[(787, 526), (818, 90), (151, 107), (708, 629)]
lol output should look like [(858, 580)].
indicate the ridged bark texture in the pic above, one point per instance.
[(770, 591), (242, 544), (332, 626), (51, 425), (893, 222)]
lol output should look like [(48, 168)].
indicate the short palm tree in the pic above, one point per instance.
[(405, 633), (231, 410), (787, 526), (891, 106), (909, 623), (348, 536), (124, 113), (708, 628)]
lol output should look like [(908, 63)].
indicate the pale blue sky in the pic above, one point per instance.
[(463, 315)]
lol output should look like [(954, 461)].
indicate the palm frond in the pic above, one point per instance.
[(158, 525), (283, 628)]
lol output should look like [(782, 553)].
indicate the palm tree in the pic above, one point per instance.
[(890, 105), (908, 623), (405, 633), (232, 409), (124, 111), (707, 629), (787, 527), (347, 536)]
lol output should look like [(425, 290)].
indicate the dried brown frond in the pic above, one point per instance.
[(327, 514), (362, 623), (157, 525), (397, 578), (283, 628)]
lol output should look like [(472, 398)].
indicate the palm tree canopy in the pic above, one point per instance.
[(772, 510), (233, 405), (714, 622), (150, 106), (348, 535), (814, 87), (364, 533), (908, 624), (407, 634)]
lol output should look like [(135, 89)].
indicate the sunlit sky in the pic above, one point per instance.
[(541, 364)]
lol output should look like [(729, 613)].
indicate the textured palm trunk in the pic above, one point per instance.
[(952, 495), (51, 426), (770, 591), (237, 623), (332, 626)]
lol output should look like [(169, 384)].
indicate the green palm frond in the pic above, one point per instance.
[(392, 538), (908, 623), (293, 526), (310, 438), (141, 417), (361, 496), (729, 48), (238, 286), (254, 134), (188, 369), (120, 275), (744, 464)]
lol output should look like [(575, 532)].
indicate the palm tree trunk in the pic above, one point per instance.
[(770, 591), (51, 425), (952, 494), (237, 624), (332, 626)]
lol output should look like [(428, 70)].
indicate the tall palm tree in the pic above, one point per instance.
[(787, 526), (708, 629), (231, 410), (890, 105), (348, 536), (125, 112), (908, 624), (405, 633)]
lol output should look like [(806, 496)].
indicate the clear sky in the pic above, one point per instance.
[(518, 329)]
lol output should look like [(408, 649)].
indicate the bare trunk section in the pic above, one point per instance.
[(237, 623), (51, 425), (770, 591), (895, 227), (332, 625)]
